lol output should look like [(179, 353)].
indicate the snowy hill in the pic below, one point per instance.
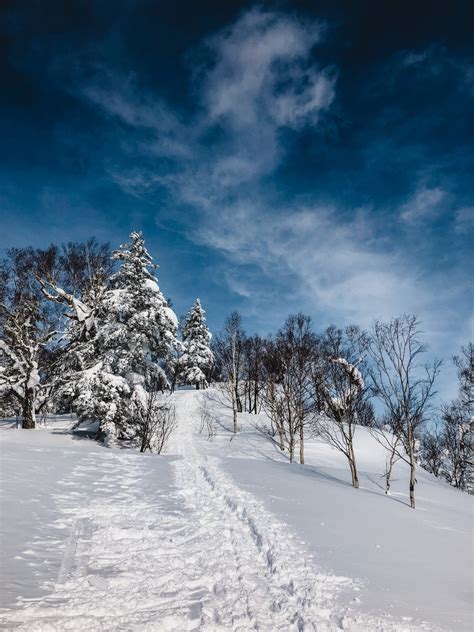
[(224, 534)]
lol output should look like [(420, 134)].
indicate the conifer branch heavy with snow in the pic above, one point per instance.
[(118, 343)]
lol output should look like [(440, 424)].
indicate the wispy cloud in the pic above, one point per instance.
[(258, 80), (422, 205), (257, 84)]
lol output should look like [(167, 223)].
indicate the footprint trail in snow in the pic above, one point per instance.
[(194, 553)]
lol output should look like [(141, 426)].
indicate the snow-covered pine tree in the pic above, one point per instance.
[(79, 350), (197, 358), (133, 340)]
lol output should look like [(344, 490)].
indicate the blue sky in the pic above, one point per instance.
[(288, 156)]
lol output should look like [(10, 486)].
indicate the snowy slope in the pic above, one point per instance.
[(223, 534)]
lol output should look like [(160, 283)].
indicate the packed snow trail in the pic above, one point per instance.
[(200, 555)]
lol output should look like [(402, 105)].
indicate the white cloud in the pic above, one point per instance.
[(260, 76), (423, 204), (332, 264), (260, 79)]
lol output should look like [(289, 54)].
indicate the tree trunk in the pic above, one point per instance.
[(234, 418), (412, 484), (351, 456), (388, 475), (281, 432), (412, 481), (28, 413), (353, 467), (239, 402), (355, 479), (411, 454), (291, 447), (234, 411), (301, 444), (235, 386)]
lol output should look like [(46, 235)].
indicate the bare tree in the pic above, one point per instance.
[(29, 324), (154, 419), (80, 264), (206, 417), (253, 373), (388, 432), (24, 336), (457, 437), (433, 451), (339, 389), (276, 398), (465, 370), (401, 382), (26, 331), (287, 396), (458, 426), (228, 348)]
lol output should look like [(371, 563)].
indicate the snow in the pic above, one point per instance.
[(357, 384), (352, 370), (171, 316), (151, 285), (83, 312), (223, 534)]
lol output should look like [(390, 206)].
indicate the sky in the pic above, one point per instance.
[(279, 157)]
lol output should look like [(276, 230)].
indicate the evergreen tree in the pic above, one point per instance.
[(197, 358), (119, 343)]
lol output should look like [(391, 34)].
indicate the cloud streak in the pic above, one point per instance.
[(258, 80)]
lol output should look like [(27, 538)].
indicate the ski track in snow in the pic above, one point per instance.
[(207, 557)]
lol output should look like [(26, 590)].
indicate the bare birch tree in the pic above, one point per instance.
[(253, 370), (275, 398), (433, 451), (228, 349), (287, 396), (339, 390), (402, 383), (457, 434)]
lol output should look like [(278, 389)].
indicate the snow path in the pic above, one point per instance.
[(202, 555)]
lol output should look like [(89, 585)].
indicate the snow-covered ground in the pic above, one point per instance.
[(223, 534)]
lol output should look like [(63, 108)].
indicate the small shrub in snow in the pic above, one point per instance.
[(207, 423), (152, 418)]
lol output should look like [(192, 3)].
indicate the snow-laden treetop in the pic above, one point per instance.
[(136, 263)]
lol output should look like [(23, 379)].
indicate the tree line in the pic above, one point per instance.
[(328, 384), (86, 329)]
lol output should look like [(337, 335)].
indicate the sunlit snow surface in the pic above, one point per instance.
[(223, 534)]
